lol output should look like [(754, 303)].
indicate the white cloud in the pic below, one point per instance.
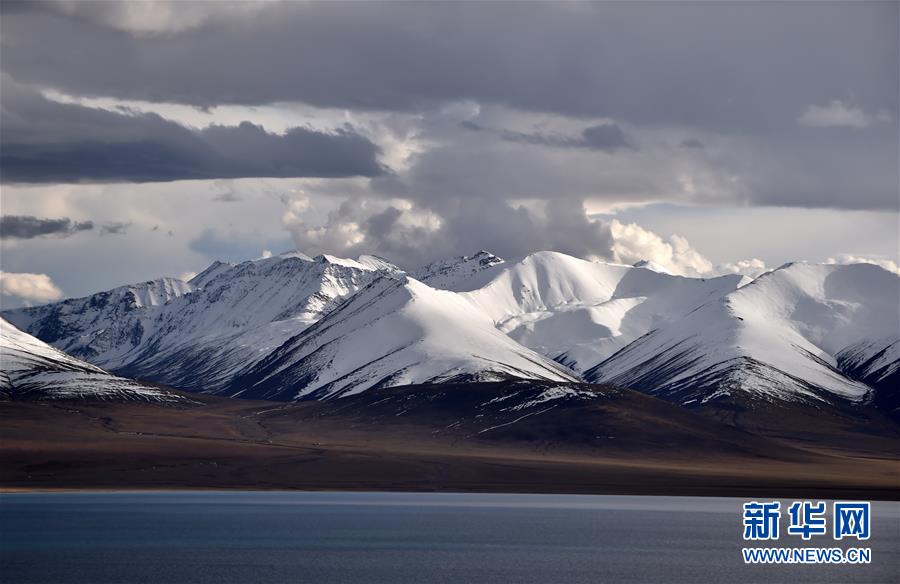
[(29, 287), (839, 114), (885, 263), (185, 276), (632, 243), (752, 267)]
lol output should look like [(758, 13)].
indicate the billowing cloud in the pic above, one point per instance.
[(885, 263), (29, 227), (632, 243), (752, 267), (46, 141), (411, 236), (29, 288), (838, 114)]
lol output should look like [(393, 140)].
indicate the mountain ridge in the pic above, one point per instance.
[(685, 339), (778, 336)]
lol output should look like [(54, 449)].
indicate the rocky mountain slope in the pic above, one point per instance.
[(33, 370)]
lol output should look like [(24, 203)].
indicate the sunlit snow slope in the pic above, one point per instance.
[(786, 335), (445, 274), (223, 320), (32, 369), (580, 312), (396, 331)]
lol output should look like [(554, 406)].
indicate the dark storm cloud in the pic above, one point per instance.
[(692, 143), (739, 75), (607, 137), (851, 171), (723, 65), (604, 137), (227, 197), (114, 228), (382, 224), (28, 227), (46, 141)]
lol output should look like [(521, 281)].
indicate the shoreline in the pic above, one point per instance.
[(848, 493), (201, 490)]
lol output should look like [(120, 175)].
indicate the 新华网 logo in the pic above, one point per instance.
[(807, 520)]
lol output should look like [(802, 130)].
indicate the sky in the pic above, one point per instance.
[(148, 139)]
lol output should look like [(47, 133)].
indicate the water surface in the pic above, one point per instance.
[(391, 538)]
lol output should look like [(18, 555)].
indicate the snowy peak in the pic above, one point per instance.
[(833, 306), (396, 331), (651, 265), (32, 369), (445, 274), (196, 335), (210, 273), (153, 293), (801, 332), (91, 326), (241, 314), (261, 291), (364, 262), (376, 263), (580, 312)]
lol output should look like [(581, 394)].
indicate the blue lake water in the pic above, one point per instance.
[(391, 538)]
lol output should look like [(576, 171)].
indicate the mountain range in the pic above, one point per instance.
[(292, 327)]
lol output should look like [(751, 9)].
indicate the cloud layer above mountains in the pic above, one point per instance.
[(417, 131)]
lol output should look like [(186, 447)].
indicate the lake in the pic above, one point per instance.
[(391, 538)]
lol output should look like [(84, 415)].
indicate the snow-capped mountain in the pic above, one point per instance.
[(580, 312), (650, 265), (396, 331), (223, 320), (243, 313), (292, 326), (32, 369), (801, 332), (101, 327), (445, 274)]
